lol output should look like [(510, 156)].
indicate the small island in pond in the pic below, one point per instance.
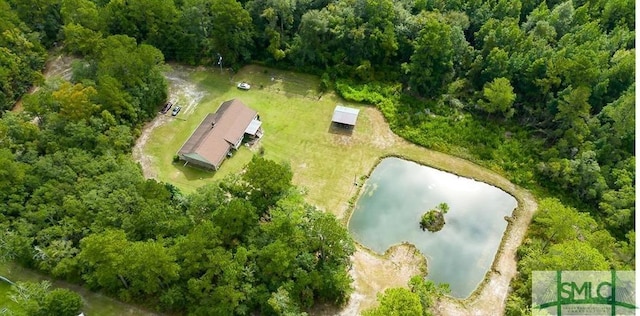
[(433, 220)]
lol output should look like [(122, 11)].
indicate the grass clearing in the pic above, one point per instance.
[(297, 124)]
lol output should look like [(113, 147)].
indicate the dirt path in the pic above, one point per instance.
[(57, 66), (138, 153)]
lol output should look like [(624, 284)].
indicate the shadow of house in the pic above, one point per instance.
[(219, 133), (343, 120)]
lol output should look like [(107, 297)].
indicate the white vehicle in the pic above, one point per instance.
[(244, 86)]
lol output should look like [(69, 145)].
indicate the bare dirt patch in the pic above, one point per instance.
[(373, 274), (182, 92), (59, 66)]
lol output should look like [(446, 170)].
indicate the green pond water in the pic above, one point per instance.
[(396, 195)]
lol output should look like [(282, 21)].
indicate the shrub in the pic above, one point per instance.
[(433, 220)]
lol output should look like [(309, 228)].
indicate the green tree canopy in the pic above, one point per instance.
[(22, 56), (499, 97), (431, 65), (266, 182), (38, 299), (397, 302)]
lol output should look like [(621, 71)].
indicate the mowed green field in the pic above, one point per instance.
[(297, 131)]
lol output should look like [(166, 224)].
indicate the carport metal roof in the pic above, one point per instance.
[(345, 115)]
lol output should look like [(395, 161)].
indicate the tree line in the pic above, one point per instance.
[(540, 91), (247, 244), (73, 204)]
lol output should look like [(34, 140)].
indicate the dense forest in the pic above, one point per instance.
[(542, 92)]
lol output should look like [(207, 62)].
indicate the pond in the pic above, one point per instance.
[(396, 195)]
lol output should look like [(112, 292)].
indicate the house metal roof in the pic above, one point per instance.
[(218, 133), (253, 127)]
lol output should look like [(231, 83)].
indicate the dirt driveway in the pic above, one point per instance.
[(181, 92)]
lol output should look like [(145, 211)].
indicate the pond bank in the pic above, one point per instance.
[(489, 298), (396, 195)]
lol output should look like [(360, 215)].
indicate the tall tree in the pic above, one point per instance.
[(75, 101), (573, 115), (81, 12), (133, 69), (572, 255), (397, 302), (311, 42), (42, 16), (147, 21), (211, 29), (431, 65), (21, 57), (12, 177), (237, 220), (266, 182), (102, 255), (232, 31), (499, 97)]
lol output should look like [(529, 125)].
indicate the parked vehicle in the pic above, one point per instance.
[(244, 86), (176, 110), (166, 107)]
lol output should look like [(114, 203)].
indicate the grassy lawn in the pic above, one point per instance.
[(296, 121), (94, 303)]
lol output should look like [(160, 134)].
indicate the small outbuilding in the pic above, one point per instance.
[(344, 116), (219, 133)]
